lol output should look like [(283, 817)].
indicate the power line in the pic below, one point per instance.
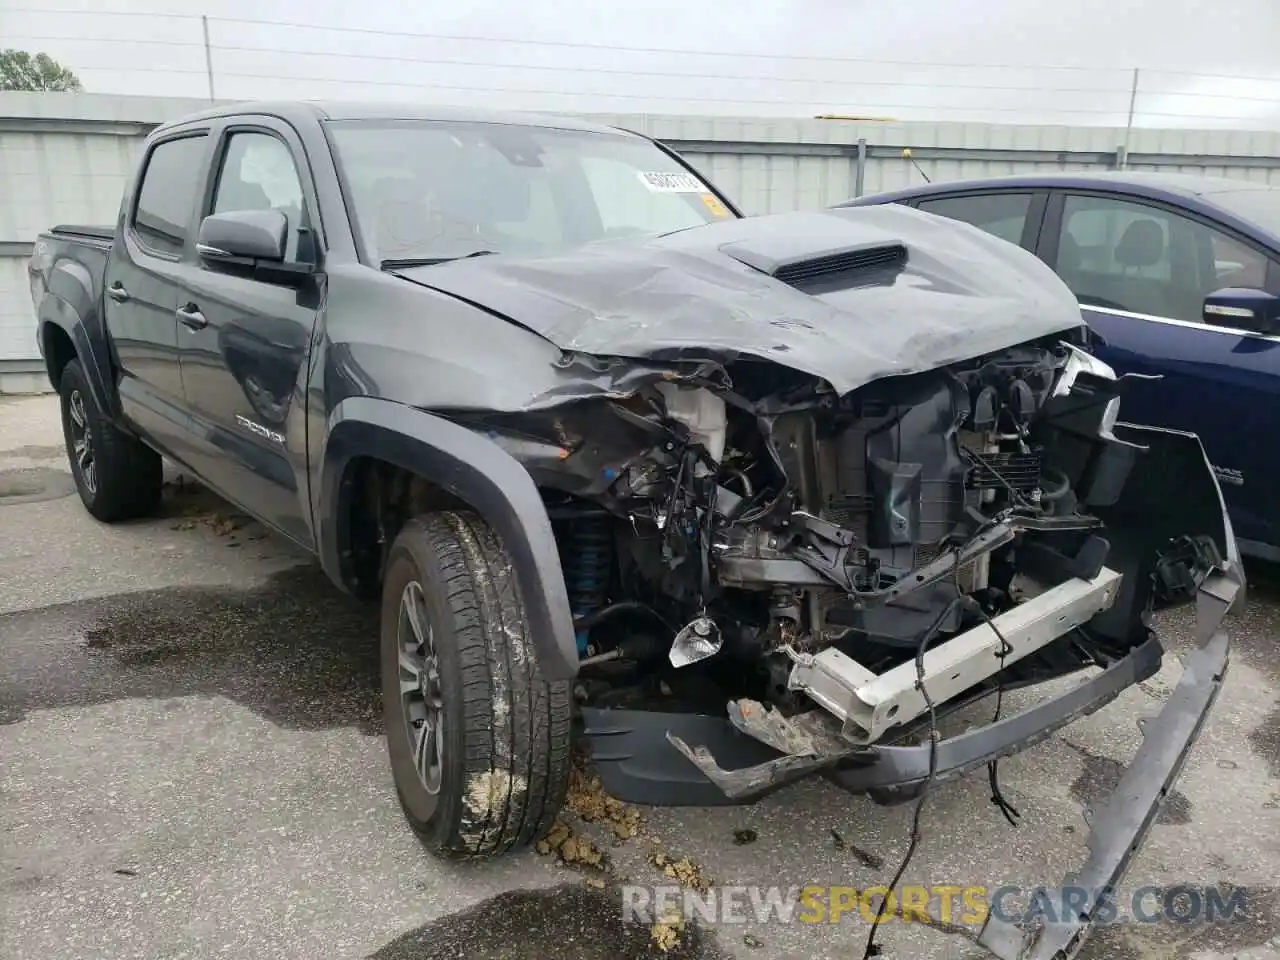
[(617, 48), (562, 68), (651, 97), (28, 38), (816, 81), (629, 96), (579, 45), (51, 11)]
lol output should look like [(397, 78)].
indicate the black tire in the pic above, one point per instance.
[(505, 733), (118, 476)]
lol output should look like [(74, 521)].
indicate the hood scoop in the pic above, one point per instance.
[(843, 267)]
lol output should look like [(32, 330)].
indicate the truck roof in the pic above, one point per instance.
[(301, 111)]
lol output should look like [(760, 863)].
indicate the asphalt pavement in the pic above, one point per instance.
[(191, 765)]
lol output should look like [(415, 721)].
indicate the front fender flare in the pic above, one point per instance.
[(477, 471)]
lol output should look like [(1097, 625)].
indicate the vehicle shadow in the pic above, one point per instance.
[(294, 650), (568, 922)]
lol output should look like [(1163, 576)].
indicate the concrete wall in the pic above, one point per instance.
[(64, 158)]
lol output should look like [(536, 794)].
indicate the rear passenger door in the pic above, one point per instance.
[(141, 287), (1012, 215), (245, 340), (1141, 271)]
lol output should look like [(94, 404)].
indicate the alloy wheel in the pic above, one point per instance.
[(420, 696)]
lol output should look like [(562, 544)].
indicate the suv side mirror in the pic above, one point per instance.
[(1243, 307), (243, 235)]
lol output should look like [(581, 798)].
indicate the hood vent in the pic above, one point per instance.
[(830, 267)]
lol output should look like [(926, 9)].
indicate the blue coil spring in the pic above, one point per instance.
[(587, 554)]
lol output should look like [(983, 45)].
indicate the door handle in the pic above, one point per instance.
[(117, 292), (192, 317)]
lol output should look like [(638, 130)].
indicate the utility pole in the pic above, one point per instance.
[(208, 55), (1128, 127)]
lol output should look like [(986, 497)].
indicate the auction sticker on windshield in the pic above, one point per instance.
[(672, 182)]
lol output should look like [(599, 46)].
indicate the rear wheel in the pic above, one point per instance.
[(478, 739), (118, 477)]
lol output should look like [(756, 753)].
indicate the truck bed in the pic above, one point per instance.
[(93, 235)]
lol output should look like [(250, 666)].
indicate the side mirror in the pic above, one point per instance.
[(244, 235), (1243, 307)]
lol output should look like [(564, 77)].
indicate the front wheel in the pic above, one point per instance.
[(478, 739)]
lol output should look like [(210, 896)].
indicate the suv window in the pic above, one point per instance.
[(1002, 214), (258, 173), (166, 196), (1144, 259)]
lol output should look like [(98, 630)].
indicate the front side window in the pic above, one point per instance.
[(1131, 256), (258, 173), (436, 190), (1001, 214), (166, 196)]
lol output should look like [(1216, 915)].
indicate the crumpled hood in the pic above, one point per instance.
[(708, 293)]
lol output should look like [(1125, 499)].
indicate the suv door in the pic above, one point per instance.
[(141, 287), (245, 340), (1012, 215), (1141, 271)]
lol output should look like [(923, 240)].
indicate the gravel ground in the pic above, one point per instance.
[(191, 765)]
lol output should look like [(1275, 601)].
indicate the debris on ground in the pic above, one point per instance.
[(750, 941), (744, 836), (666, 932), (595, 883), (589, 801), (683, 871), (872, 861), (221, 524), (570, 849)]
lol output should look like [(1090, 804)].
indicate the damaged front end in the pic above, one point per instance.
[(771, 581)]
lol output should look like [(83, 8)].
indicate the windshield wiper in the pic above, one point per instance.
[(405, 263)]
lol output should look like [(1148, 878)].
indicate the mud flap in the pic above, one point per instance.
[(1120, 825)]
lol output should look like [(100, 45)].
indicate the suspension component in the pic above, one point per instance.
[(587, 551)]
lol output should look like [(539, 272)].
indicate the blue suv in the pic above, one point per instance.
[(1180, 276)]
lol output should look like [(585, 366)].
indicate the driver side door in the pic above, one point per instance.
[(245, 340), (1141, 271)]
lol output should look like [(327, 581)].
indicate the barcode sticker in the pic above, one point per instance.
[(672, 182)]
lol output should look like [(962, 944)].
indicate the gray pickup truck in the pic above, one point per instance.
[(735, 501)]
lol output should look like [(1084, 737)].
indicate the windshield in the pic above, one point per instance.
[(435, 190), (1259, 205)]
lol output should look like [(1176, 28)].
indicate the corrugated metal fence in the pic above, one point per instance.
[(64, 158)]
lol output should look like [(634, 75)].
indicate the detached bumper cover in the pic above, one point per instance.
[(1119, 826)]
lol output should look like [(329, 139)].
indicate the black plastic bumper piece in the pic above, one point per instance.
[(638, 764)]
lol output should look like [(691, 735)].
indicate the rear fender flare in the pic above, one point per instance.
[(51, 316), (477, 471)]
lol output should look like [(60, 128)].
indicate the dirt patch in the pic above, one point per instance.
[(295, 650), (1265, 740), (1100, 776), (1255, 926), (32, 452), (34, 484)]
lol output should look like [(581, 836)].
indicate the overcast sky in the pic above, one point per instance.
[(927, 59)]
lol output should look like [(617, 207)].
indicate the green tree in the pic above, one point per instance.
[(20, 70)]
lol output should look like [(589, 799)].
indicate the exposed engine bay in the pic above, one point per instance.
[(740, 533)]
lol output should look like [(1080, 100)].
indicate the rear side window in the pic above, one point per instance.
[(167, 195), (1002, 214)]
